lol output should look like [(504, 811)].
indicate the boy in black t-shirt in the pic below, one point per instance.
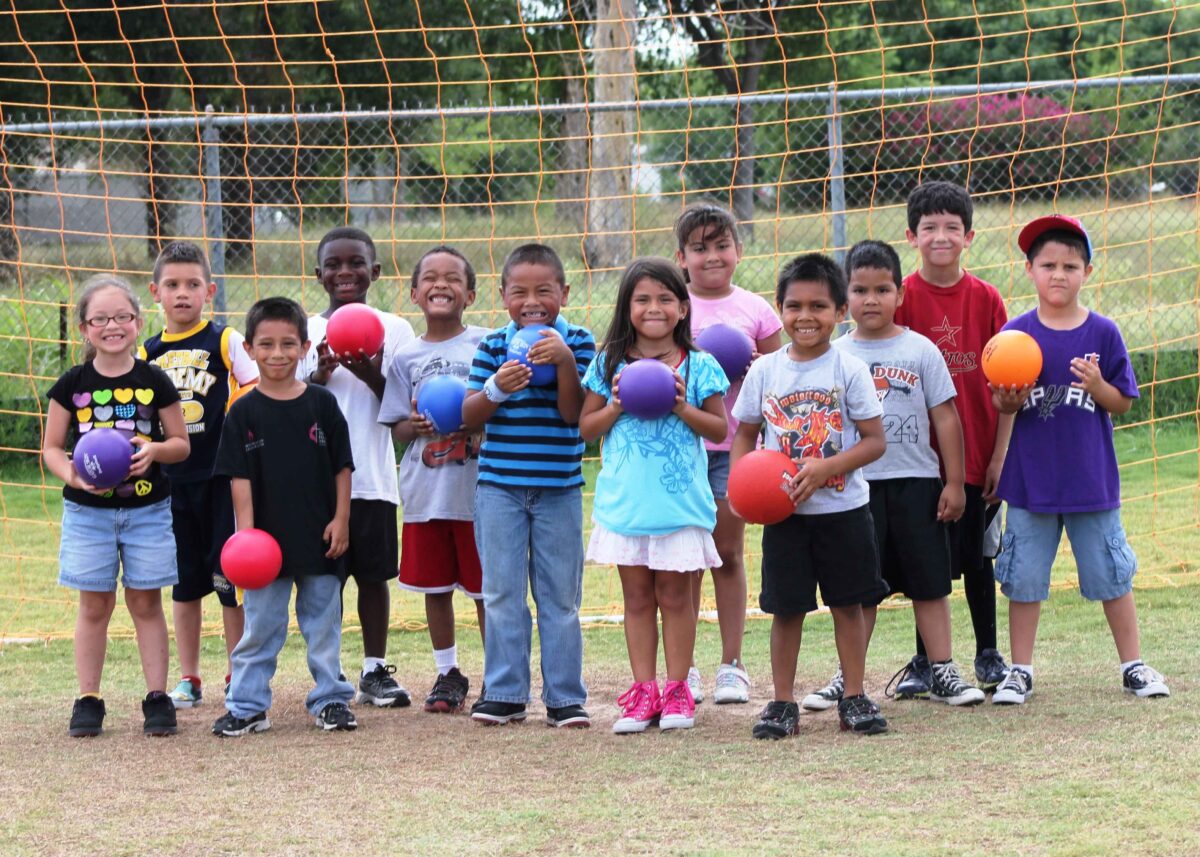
[(286, 448)]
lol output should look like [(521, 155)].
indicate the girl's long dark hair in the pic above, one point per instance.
[(620, 339)]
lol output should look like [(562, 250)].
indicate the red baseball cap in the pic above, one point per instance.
[(1040, 225)]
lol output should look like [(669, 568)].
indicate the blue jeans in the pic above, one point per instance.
[(319, 614), (531, 539)]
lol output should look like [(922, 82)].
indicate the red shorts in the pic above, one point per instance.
[(440, 556)]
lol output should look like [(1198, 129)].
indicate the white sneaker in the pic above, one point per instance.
[(733, 684), (1139, 680), (695, 685), (947, 686), (1016, 688), (828, 696)]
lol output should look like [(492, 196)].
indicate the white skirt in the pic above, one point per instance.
[(689, 549)]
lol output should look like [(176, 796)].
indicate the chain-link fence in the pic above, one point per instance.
[(812, 170)]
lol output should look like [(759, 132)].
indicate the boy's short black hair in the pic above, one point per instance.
[(533, 254), (939, 198), (449, 251), (813, 268), (1071, 240), (875, 254), (351, 232), (182, 253), (276, 309), (715, 220)]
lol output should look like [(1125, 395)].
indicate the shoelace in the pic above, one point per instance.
[(636, 701), (836, 686), (732, 678), (858, 707), (1016, 680), (897, 680), (676, 698), (1144, 674), (775, 710), (446, 686), (949, 677)]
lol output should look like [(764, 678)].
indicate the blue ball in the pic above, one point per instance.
[(440, 401), (518, 349)]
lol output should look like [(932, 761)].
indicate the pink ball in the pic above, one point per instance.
[(251, 559), (353, 328)]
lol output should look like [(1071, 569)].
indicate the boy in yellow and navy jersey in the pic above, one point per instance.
[(208, 366)]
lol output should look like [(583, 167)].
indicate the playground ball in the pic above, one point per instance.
[(1012, 358), (251, 559), (758, 486), (440, 401), (647, 389), (353, 328), (102, 457), (518, 349), (730, 346)]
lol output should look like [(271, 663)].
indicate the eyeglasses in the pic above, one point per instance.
[(100, 321)]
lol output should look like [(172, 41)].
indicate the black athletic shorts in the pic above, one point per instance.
[(202, 518), (914, 548), (374, 553), (966, 534), (835, 551)]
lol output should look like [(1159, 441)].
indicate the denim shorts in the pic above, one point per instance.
[(718, 473), (1103, 558), (97, 542)]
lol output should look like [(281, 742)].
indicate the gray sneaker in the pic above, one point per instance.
[(828, 696)]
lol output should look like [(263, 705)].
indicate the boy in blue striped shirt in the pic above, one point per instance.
[(529, 500)]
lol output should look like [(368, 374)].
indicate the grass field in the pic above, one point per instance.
[(1080, 770)]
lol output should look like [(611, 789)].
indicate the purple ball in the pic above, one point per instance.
[(518, 349), (732, 349), (647, 389), (102, 457), (440, 401)]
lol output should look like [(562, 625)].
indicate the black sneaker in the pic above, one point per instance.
[(1016, 688), (568, 717), (990, 669), (379, 688), (87, 717), (337, 716), (159, 713), (860, 715), (947, 685), (496, 713), (449, 693), (1143, 681), (912, 681), (229, 725), (778, 720)]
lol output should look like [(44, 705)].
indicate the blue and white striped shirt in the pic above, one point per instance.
[(526, 443)]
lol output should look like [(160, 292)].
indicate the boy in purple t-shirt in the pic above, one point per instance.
[(1061, 467)]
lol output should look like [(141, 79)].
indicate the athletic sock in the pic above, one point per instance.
[(1026, 668), (194, 679), (445, 659), (93, 695), (980, 588), (369, 665), (1129, 664)]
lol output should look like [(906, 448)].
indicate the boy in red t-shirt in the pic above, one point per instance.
[(960, 313)]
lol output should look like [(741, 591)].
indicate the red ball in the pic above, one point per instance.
[(758, 486), (353, 328), (251, 559), (1012, 358)]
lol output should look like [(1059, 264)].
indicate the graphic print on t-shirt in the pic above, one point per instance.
[(947, 342), (1047, 397), (809, 425), (446, 450)]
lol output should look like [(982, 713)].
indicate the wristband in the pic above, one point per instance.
[(493, 392)]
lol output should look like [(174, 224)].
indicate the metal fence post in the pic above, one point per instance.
[(837, 183), (214, 223)]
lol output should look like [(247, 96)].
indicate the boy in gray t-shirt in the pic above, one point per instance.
[(438, 471), (817, 405), (909, 503)]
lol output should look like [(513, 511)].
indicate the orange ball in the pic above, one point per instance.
[(1012, 358), (758, 486)]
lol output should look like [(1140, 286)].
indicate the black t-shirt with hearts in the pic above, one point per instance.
[(128, 403)]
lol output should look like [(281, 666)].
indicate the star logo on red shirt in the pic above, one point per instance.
[(947, 333)]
